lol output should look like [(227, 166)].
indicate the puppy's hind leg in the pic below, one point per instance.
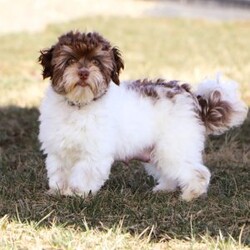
[(183, 164)]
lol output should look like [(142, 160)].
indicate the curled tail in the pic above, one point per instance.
[(220, 106)]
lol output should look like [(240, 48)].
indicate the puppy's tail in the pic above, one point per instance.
[(220, 106)]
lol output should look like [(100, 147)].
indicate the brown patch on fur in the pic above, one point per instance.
[(159, 88), (81, 50), (215, 112)]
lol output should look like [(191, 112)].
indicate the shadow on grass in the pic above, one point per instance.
[(127, 194)]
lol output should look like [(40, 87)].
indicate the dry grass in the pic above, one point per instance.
[(187, 50), (18, 235)]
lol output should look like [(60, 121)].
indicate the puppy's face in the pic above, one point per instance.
[(81, 66)]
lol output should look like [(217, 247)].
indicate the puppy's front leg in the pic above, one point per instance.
[(89, 175), (57, 175)]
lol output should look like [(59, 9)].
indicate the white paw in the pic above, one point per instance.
[(80, 192), (197, 186), (52, 191), (191, 193), (56, 191), (84, 188)]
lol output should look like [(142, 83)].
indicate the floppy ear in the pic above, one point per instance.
[(118, 64), (45, 60)]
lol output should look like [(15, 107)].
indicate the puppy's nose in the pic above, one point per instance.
[(83, 74)]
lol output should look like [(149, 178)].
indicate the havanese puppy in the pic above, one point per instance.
[(87, 121)]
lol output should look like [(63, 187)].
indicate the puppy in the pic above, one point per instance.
[(87, 121)]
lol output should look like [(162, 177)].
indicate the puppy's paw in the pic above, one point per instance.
[(83, 193), (197, 186), (82, 190), (191, 193), (56, 191), (52, 192)]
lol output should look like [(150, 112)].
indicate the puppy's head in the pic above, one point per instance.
[(81, 66)]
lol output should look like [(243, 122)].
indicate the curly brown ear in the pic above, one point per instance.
[(45, 60), (117, 65)]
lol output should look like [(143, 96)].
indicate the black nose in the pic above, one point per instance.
[(83, 74)]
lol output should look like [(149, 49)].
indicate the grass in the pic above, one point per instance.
[(125, 214)]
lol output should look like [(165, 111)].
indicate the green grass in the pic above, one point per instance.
[(125, 214)]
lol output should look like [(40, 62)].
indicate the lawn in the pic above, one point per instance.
[(125, 214)]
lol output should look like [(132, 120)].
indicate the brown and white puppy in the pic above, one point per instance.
[(87, 121)]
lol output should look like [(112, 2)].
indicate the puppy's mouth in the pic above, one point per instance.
[(83, 84)]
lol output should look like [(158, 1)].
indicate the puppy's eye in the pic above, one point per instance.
[(95, 62), (71, 61)]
